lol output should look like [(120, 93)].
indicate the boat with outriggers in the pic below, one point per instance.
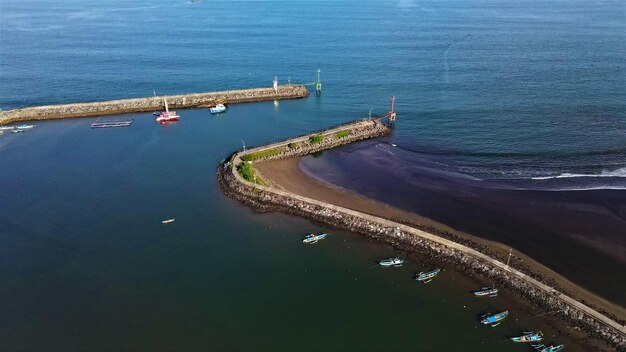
[(486, 291), (167, 115), (529, 336), (427, 277), (218, 109), (395, 262), (313, 238), (551, 348), (494, 319)]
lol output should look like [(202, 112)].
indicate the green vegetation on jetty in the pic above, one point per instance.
[(262, 154), (246, 171), (293, 145), (316, 139), (342, 134)]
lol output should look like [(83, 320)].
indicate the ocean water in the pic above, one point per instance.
[(509, 112)]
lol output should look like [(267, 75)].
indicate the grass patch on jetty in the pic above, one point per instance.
[(317, 139), (292, 145), (262, 154), (342, 134), (246, 171)]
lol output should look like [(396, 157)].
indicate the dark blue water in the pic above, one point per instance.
[(496, 101)]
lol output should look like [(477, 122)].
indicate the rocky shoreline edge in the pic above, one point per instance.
[(465, 257)]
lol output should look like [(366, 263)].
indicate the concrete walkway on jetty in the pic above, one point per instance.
[(114, 107), (593, 322)]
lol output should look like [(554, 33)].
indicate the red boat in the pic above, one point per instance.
[(167, 115)]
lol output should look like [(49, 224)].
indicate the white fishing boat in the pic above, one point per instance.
[(168, 221), (6, 128), (312, 238), (24, 127), (218, 108), (395, 262)]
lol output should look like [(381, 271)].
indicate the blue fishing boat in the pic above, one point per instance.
[(427, 277), (486, 291), (551, 348), (529, 336), (494, 319), (217, 109), (395, 262), (312, 238)]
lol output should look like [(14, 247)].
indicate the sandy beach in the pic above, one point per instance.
[(286, 174)]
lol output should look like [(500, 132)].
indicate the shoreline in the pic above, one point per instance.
[(465, 255), (285, 174), (148, 104)]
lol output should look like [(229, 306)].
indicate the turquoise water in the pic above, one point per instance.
[(527, 95)]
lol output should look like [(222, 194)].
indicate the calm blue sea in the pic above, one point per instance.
[(511, 114)]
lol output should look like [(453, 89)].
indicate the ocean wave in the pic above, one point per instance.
[(615, 173)]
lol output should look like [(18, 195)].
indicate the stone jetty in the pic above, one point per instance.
[(531, 286), (196, 100)]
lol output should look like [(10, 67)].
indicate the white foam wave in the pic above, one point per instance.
[(615, 173)]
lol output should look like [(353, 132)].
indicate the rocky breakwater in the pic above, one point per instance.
[(113, 107), (266, 198)]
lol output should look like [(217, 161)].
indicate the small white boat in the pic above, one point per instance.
[(168, 221), (24, 127), (6, 128), (18, 130), (311, 238), (395, 262), (218, 108), (1, 132)]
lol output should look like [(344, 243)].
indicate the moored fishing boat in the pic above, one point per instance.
[(167, 115), (427, 277), (312, 238), (486, 291), (529, 336), (218, 108), (168, 221), (551, 348), (18, 130), (6, 128), (24, 127), (494, 319), (395, 262)]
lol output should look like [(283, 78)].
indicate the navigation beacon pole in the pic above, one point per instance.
[(275, 85), (392, 113), (318, 84)]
